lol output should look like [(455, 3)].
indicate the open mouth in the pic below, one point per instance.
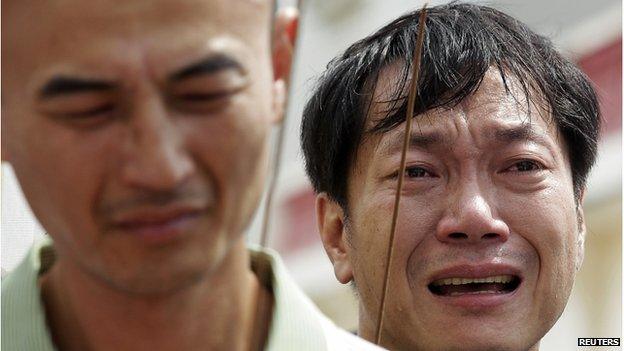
[(457, 286)]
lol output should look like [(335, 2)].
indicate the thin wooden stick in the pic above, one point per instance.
[(397, 199), (262, 271), (276, 164)]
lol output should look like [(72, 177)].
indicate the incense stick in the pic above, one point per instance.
[(408, 127), (262, 271)]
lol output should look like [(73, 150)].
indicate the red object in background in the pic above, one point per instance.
[(604, 68)]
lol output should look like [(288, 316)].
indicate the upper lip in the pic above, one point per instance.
[(474, 271), (155, 215)]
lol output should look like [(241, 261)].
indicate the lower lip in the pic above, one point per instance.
[(164, 232), (476, 302)]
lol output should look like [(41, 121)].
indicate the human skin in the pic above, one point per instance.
[(147, 175), (487, 191)]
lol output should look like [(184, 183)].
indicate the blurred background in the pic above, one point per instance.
[(587, 32)]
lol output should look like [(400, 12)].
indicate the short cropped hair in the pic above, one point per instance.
[(461, 43)]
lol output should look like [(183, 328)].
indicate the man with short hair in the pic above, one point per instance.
[(490, 226), (138, 131)]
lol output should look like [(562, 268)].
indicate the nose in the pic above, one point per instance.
[(470, 219), (156, 156)]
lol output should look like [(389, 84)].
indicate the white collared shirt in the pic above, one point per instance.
[(296, 324)]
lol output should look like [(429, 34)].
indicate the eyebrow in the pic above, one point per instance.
[(420, 140), (63, 85), (523, 132), (209, 65)]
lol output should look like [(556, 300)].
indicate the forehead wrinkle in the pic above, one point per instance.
[(513, 123), (422, 137), (448, 126), (461, 112)]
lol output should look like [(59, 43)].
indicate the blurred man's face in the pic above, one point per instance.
[(137, 130), (488, 235)]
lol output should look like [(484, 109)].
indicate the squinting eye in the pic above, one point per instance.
[(202, 97), (89, 118), (201, 103), (525, 166), (417, 172)]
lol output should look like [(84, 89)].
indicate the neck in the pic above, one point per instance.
[(216, 313), (366, 324)]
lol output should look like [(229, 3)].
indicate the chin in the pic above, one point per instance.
[(455, 338), (157, 283)]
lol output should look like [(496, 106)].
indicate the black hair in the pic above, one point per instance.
[(461, 43)]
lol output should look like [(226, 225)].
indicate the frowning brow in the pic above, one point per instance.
[(427, 140), (209, 65), (417, 140), (523, 132), (64, 85)]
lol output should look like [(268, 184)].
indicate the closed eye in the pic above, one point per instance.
[(202, 97), (207, 94), (80, 108), (92, 112), (88, 117), (205, 102)]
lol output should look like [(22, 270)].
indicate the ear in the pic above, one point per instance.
[(284, 34), (331, 224), (582, 232)]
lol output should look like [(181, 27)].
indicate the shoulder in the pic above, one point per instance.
[(23, 316), (297, 323)]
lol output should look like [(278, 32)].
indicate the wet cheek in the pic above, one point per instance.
[(416, 222), (548, 223), (550, 228), (547, 217), (416, 233), (417, 218)]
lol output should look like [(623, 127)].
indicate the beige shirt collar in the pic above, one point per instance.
[(297, 324)]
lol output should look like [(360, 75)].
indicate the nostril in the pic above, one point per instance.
[(458, 236), (490, 236)]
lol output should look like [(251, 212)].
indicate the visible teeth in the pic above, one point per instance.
[(459, 281), (456, 293)]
